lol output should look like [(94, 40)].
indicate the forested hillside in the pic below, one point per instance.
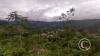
[(91, 25)]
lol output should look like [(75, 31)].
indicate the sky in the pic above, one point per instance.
[(50, 10)]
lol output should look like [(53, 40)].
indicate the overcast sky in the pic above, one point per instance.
[(49, 10)]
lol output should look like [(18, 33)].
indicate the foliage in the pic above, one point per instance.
[(61, 43), (17, 40)]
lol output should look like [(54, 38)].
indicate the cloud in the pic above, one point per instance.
[(47, 10), (88, 9), (38, 15)]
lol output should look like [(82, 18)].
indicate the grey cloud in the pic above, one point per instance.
[(35, 9), (38, 15)]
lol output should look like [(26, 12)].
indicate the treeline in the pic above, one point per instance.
[(92, 26)]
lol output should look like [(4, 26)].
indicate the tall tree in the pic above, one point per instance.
[(66, 16), (13, 16)]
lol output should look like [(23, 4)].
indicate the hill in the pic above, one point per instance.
[(92, 25)]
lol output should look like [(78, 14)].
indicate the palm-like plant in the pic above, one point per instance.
[(66, 16)]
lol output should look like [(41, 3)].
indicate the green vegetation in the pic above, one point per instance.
[(16, 40), (20, 40)]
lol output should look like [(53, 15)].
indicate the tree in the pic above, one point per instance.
[(66, 17), (13, 16)]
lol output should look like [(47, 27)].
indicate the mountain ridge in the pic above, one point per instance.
[(89, 24)]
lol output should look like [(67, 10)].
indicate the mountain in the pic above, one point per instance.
[(89, 24)]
